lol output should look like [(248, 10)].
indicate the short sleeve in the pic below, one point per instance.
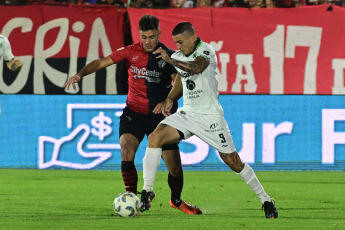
[(206, 52), (7, 50), (119, 54)]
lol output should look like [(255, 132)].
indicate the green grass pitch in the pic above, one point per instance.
[(67, 199)]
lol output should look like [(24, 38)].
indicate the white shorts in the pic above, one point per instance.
[(211, 128)]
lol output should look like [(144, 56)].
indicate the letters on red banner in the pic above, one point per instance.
[(55, 42), (266, 51)]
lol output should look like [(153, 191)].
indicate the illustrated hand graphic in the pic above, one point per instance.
[(82, 132)]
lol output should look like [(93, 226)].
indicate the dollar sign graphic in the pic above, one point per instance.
[(102, 129)]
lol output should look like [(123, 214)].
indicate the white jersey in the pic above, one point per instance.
[(5, 48), (200, 91)]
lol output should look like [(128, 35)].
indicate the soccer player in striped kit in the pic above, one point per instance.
[(149, 83)]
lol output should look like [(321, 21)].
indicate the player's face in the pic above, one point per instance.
[(185, 43), (149, 39)]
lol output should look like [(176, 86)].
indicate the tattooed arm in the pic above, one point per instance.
[(197, 66)]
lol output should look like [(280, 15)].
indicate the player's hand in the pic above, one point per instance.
[(168, 103), (162, 54), (15, 65), (72, 80), (158, 108)]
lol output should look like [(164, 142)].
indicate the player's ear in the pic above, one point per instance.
[(194, 37), (159, 33)]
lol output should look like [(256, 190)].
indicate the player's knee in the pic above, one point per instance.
[(233, 160), (155, 139), (127, 154), (176, 171), (129, 145)]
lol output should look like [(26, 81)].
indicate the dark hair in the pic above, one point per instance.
[(148, 22), (183, 27)]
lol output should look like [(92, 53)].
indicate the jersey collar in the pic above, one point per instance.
[(158, 45), (196, 46)]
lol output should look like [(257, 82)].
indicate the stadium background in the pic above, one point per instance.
[(281, 79)]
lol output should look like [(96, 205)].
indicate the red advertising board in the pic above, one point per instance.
[(266, 51), (55, 41)]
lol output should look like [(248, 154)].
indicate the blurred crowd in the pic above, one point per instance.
[(161, 4), (228, 3)]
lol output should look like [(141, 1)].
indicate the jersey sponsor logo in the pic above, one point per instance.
[(194, 94), (190, 84), (186, 74), (149, 75), (213, 126), (206, 52), (155, 80), (144, 72), (137, 71), (138, 76), (148, 79), (152, 73)]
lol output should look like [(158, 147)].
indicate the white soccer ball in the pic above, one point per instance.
[(126, 204)]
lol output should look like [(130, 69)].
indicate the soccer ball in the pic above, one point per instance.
[(126, 204)]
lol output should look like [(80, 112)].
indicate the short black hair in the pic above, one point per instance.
[(148, 22), (183, 27)]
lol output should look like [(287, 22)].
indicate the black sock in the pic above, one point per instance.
[(176, 185), (130, 176)]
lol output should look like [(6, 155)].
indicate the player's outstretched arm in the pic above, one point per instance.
[(88, 69)]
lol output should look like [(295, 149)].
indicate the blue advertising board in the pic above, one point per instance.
[(271, 132)]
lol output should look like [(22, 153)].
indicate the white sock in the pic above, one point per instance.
[(250, 178), (151, 162)]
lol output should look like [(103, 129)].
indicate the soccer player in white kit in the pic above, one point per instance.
[(201, 115), (13, 64), (5, 51)]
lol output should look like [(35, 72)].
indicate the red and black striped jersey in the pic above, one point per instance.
[(149, 78)]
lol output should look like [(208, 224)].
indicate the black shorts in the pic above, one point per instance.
[(139, 125)]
